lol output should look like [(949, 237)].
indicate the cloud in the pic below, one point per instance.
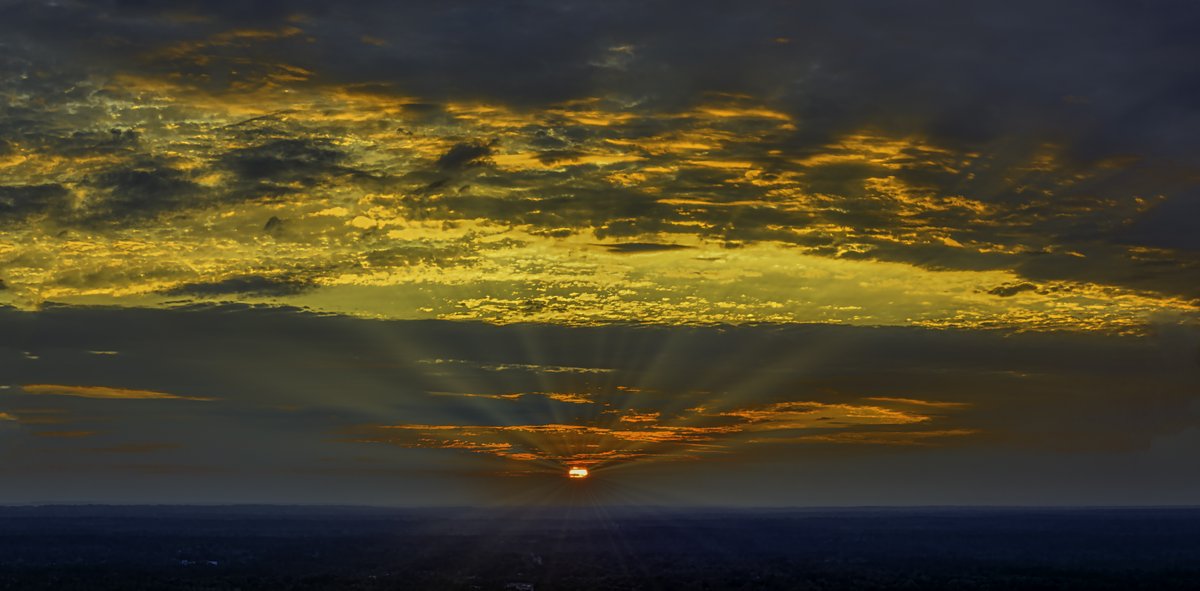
[(255, 285), (557, 396), (463, 154), (139, 191), (41, 416), (136, 448), (1067, 173), (528, 367), (65, 434), (636, 247), (915, 402), (21, 201), (888, 438), (1007, 291), (641, 417), (641, 435), (568, 397), (801, 415), (104, 392), (280, 166), (565, 444)]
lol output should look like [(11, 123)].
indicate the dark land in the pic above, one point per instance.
[(252, 547)]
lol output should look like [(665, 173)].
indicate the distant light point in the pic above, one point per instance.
[(577, 473)]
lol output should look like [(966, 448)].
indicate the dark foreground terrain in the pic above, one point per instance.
[(99, 548)]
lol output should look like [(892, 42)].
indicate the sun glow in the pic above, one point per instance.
[(577, 473)]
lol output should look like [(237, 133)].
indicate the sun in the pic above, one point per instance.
[(577, 473)]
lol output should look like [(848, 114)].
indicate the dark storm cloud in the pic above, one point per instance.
[(964, 72), (280, 166), (77, 143), (19, 202), (253, 285), (1170, 224), (1007, 291), (101, 142), (636, 247), (463, 154), (140, 191)]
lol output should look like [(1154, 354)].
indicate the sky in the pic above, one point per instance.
[(739, 254)]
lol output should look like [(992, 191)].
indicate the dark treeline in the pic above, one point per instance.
[(128, 548)]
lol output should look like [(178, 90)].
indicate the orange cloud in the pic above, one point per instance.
[(915, 402), (802, 415), (105, 392), (637, 434), (640, 417), (136, 448), (874, 437), (40, 416), (584, 445), (564, 397), (65, 434), (559, 396)]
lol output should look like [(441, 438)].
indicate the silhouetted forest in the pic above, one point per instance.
[(100, 548)]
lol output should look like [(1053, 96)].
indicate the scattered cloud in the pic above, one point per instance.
[(104, 392), (645, 434), (903, 438), (136, 448), (800, 415), (915, 402), (640, 417), (557, 396), (41, 416), (529, 367), (1007, 291), (65, 434)]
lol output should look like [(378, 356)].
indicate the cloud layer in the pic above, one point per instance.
[(559, 167)]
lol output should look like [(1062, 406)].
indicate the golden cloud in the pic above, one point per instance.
[(378, 221), (900, 438), (105, 392), (65, 434), (643, 434)]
